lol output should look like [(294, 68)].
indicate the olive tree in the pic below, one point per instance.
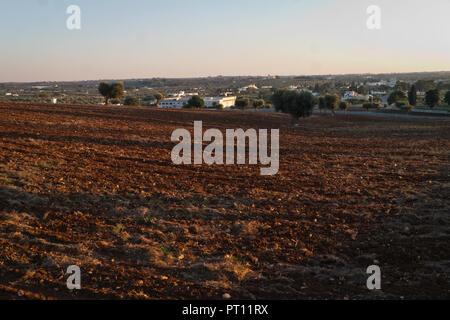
[(432, 98), (114, 91), (298, 105)]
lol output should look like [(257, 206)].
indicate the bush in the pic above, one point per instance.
[(397, 96), (218, 106), (343, 106), (406, 107), (45, 95), (242, 103), (258, 104), (331, 102), (368, 106), (195, 102), (131, 101)]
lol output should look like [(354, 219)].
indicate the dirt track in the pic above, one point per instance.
[(95, 187)]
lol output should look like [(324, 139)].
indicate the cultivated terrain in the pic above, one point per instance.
[(95, 187)]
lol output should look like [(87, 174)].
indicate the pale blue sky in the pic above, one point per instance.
[(188, 38)]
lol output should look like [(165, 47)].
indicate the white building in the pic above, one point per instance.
[(300, 90), (377, 93), (226, 102), (352, 95), (390, 83), (210, 102), (250, 87), (174, 103)]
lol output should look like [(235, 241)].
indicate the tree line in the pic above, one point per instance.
[(410, 100), (297, 104)]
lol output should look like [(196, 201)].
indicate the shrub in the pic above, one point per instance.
[(343, 106), (368, 106), (218, 105), (45, 95), (131, 101), (397, 96), (258, 104), (195, 102), (406, 107), (242, 103), (331, 102)]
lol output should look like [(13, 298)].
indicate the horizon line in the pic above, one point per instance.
[(225, 76)]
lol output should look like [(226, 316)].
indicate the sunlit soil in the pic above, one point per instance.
[(96, 187)]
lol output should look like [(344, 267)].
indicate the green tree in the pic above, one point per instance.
[(218, 105), (361, 90), (45, 96), (447, 98), (432, 98), (131, 101), (277, 100), (242, 103), (401, 86), (195, 102), (397, 96), (105, 90), (425, 85), (257, 104), (302, 106), (298, 105), (331, 102), (343, 106), (113, 91), (322, 104), (117, 90), (412, 96), (159, 97)]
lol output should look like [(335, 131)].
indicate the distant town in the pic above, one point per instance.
[(381, 91)]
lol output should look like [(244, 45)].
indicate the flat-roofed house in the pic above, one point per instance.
[(226, 102), (210, 102)]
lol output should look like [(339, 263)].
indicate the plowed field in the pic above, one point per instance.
[(95, 187)]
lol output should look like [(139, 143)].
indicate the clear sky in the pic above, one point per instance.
[(190, 38)]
